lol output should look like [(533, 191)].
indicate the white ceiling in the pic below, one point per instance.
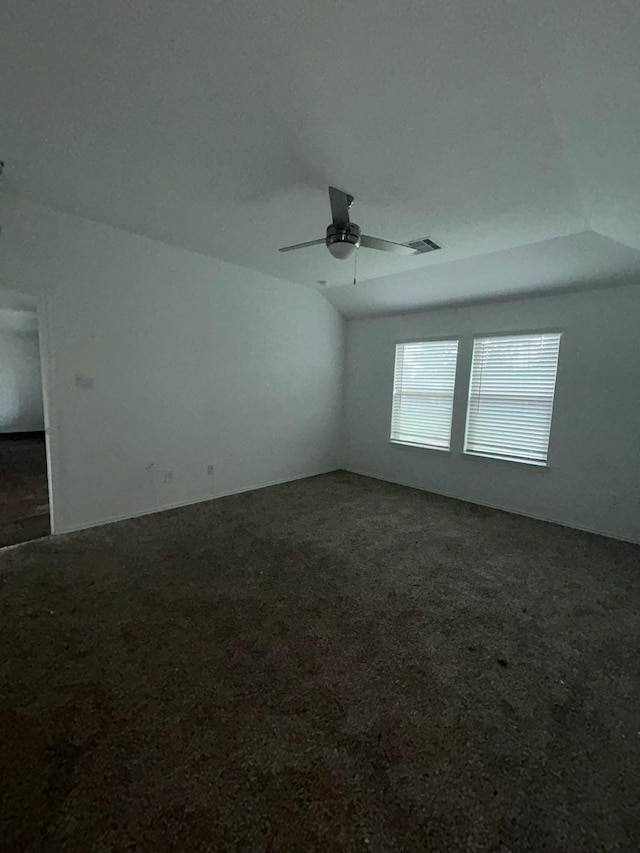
[(579, 260), (218, 126)]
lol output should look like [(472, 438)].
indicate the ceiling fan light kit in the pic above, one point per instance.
[(342, 242)]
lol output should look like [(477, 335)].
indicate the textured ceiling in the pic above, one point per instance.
[(218, 126), (565, 263)]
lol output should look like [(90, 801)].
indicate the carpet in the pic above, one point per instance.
[(331, 664)]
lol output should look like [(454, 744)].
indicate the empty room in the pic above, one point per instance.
[(319, 426)]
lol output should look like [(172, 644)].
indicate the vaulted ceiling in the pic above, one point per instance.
[(507, 131)]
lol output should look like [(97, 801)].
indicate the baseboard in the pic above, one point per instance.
[(584, 529), (189, 502)]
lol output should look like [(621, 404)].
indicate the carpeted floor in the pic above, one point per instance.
[(24, 495), (331, 664)]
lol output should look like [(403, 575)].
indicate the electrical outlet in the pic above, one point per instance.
[(210, 469), (84, 382), (168, 476)]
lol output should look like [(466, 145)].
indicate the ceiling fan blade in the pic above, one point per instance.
[(340, 204), (303, 245), (386, 245)]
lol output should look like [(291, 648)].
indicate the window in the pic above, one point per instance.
[(425, 376), (513, 379)]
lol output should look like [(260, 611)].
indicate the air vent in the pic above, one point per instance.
[(426, 244)]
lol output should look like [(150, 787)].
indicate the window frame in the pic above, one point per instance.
[(535, 463), (431, 340)]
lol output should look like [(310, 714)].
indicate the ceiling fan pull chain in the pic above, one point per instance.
[(355, 266)]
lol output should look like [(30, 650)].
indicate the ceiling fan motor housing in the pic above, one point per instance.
[(343, 240)]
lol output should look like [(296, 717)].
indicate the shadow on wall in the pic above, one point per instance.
[(21, 402)]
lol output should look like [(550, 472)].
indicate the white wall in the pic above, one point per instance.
[(593, 478), (20, 378), (192, 362)]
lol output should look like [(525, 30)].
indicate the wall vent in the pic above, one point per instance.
[(425, 244)]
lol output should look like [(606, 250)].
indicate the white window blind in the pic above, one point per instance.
[(513, 380), (424, 380)]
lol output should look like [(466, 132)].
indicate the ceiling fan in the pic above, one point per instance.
[(344, 237)]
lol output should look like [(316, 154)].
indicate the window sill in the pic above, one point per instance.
[(419, 446), (543, 466)]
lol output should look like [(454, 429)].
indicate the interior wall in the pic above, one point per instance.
[(161, 362), (593, 476), (21, 408)]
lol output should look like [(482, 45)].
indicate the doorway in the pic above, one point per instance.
[(24, 493)]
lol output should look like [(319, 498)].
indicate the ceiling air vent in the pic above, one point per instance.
[(426, 244)]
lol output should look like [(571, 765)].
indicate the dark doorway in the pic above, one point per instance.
[(24, 494), (24, 497)]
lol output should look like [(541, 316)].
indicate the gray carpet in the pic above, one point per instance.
[(331, 664)]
